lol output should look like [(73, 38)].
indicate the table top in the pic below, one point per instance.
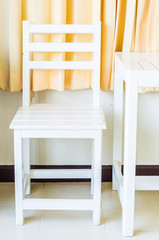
[(139, 61)]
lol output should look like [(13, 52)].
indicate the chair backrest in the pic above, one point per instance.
[(94, 47)]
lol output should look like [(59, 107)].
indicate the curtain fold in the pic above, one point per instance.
[(127, 25), (79, 12), (10, 45)]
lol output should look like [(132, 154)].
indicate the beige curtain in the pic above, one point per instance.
[(10, 45), (127, 25)]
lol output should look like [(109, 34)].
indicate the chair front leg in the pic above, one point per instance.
[(26, 161), (97, 178), (19, 188), (92, 168)]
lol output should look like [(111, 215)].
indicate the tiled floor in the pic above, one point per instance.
[(76, 225)]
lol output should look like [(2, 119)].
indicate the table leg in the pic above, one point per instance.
[(131, 100), (118, 120)]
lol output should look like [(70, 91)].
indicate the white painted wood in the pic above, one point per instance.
[(142, 183), (118, 117), (26, 179), (25, 65), (147, 183), (54, 121), (62, 107), (137, 70), (59, 118), (118, 114), (61, 47), (95, 47), (131, 99), (56, 117), (92, 168), (44, 125), (69, 65), (57, 204), (26, 161), (118, 179), (62, 28), (79, 111), (97, 178), (19, 189), (97, 56), (61, 173), (57, 133), (139, 61)]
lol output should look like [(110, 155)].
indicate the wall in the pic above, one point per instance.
[(79, 151)]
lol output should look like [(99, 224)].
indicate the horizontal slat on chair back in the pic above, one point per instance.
[(61, 47), (93, 47), (69, 65), (62, 28)]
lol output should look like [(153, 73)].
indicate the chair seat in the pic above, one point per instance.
[(51, 116)]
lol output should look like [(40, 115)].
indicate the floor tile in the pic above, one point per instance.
[(68, 190), (94, 233), (59, 225), (146, 217)]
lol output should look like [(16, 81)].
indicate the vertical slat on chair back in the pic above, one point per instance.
[(26, 70), (97, 57), (93, 47)]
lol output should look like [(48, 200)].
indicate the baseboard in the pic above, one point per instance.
[(7, 172)]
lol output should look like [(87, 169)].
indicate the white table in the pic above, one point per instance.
[(137, 70)]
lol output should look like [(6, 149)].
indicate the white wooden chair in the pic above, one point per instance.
[(58, 121)]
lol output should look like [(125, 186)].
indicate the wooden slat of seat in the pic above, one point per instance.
[(63, 105), (59, 110), (32, 125), (55, 109), (57, 117), (53, 113), (60, 117), (57, 125)]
